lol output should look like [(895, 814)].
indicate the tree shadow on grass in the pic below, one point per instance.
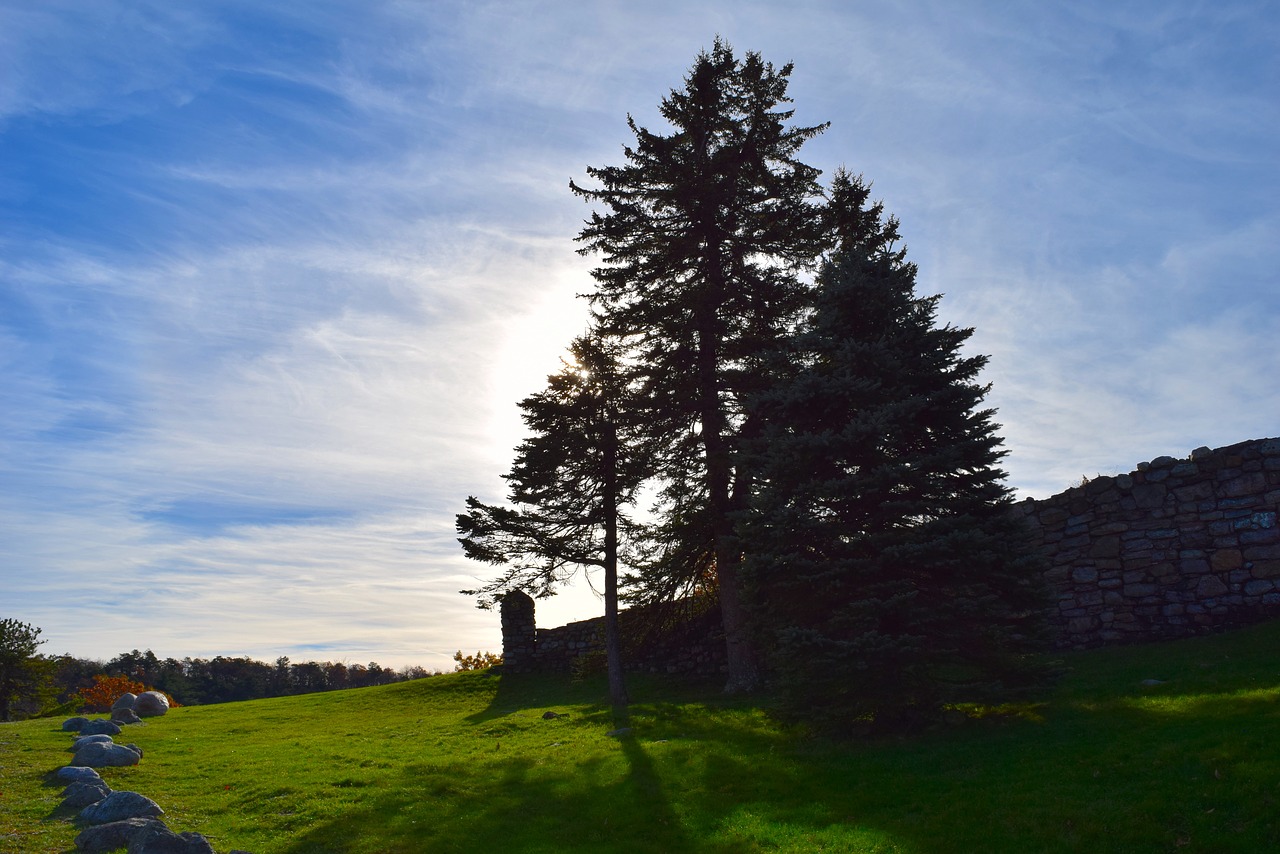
[(676, 783), (518, 692), (696, 777), (521, 804), (1098, 774), (555, 691)]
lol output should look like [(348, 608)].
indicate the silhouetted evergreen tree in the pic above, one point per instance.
[(703, 234), (888, 572), (579, 466), (26, 678)]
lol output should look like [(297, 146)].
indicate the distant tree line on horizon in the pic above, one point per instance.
[(224, 679), (36, 685)]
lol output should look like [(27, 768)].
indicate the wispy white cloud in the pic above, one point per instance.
[(65, 57), (277, 275)]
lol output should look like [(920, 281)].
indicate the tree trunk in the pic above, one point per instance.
[(740, 657), (612, 641), (740, 653)]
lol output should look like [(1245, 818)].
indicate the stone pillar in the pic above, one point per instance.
[(519, 632)]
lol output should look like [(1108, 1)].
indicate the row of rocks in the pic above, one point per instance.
[(131, 708), (123, 819), (127, 709)]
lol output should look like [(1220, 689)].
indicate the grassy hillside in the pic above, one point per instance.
[(467, 763)]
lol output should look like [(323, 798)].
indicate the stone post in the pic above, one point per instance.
[(519, 632)]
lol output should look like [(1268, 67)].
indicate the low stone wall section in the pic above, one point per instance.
[(673, 640), (1176, 548)]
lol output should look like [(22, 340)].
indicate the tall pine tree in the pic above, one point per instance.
[(889, 574), (570, 480), (25, 677), (703, 236)]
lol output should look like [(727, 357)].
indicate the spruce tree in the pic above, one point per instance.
[(704, 233), (888, 573), (569, 482), (25, 676)]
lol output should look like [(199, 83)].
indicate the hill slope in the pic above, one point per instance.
[(467, 762)]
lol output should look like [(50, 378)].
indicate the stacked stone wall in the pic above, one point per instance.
[(678, 642), (1176, 548)]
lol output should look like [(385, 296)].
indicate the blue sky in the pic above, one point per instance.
[(274, 275)]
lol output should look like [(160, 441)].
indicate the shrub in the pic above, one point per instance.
[(479, 661), (105, 690)]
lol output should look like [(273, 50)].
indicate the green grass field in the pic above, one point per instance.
[(466, 762)]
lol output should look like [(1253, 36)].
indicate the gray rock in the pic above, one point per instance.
[(125, 716), (90, 739), (150, 704), (112, 836), (100, 755), (79, 795), (77, 774), (158, 839), (100, 727), (119, 806), (622, 732), (74, 724), (135, 748), (124, 701)]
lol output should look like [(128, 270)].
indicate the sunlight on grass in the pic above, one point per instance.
[(750, 831), (468, 762), (1245, 701)]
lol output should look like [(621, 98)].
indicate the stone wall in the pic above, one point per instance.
[(1176, 548), (675, 640)]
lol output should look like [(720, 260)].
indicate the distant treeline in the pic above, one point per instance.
[(201, 681)]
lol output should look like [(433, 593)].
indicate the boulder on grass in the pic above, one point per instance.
[(124, 701), (112, 836), (74, 724), (100, 727), (119, 806), (90, 739), (150, 704), (77, 774), (80, 795), (125, 716), (158, 839), (101, 755)]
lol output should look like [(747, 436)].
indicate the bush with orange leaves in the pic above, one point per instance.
[(105, 690)]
